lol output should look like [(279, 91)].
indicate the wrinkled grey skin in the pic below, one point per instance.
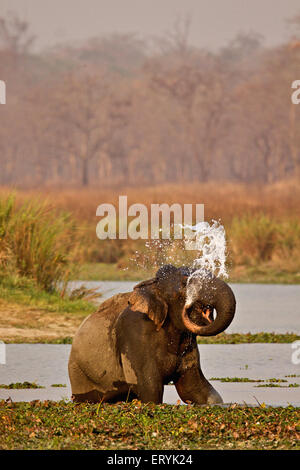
[(139, 341)]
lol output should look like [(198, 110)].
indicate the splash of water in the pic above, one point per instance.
[(203, 249), (209, 241)]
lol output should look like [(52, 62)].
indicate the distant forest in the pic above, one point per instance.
[(122, 110)]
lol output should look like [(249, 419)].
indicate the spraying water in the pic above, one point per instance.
[(203, 248), (209, 241)]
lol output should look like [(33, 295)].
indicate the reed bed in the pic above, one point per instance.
[(36, 241), (222, 200), (42, 238)]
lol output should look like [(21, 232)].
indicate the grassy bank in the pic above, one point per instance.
[(110, 272), (49, 425), (262, 227), (240, 338), (38, 253), (73, 321), (25, 293), (261, 274), (31, 314)]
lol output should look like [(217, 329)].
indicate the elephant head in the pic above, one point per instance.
[(188, 298)]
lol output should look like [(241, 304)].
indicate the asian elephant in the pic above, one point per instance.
[(137, 342)]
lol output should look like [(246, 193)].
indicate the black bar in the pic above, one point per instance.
[(144, 459)]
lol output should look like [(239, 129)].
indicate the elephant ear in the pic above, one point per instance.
[(146, 298)]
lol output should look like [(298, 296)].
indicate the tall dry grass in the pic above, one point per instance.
[(262, 239), (262, 222), (222, 200), (36, 241)]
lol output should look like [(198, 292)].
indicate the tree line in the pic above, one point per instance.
[(121, 110)]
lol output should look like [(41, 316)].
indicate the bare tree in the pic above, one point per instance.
[(78, 120), (14, 35)]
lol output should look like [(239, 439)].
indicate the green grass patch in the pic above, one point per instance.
[(235, 379), (263, 273), (37, 340), (269, 382), (260, 273), (66, 340), (223, 338), (58, 385), (109, 272), (132, 426), (271, 385), (24, 291), (18, 385), (276, 380), (238, 338)]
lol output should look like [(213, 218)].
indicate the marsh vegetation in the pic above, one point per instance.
[(60, 425)]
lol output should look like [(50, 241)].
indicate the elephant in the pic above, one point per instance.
[(139, 341)]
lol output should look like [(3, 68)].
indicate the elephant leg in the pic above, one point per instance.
[(150, 392), (143, 379), (190, 382), (194, 387), (83, 389)]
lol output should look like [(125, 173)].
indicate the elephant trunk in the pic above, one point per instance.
[(213, 292)]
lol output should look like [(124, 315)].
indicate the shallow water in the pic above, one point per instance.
[(46, 364), (260, 307)]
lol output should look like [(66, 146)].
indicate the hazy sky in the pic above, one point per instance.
[(214, 22)]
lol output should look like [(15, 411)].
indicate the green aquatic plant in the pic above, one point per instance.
[(241, 338), (135, 425), (271, 384), (276, 380), (235, 379), (18, 385)]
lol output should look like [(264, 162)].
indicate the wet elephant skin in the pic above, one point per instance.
[(137, 342)]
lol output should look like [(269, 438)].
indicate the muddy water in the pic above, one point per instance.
[(260, 307), (46, 364)]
